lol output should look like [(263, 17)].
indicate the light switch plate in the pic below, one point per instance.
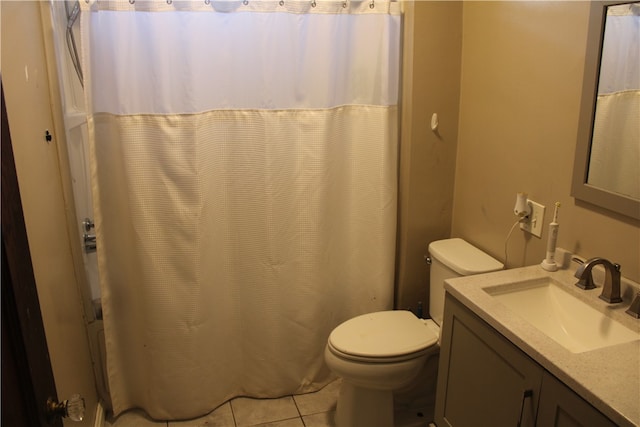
[(534, 224)]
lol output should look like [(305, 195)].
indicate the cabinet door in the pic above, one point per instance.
[(484, 380), (562, 407)]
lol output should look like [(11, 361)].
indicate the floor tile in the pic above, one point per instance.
[(293, 422), (251, 412), (410, 418), (323, 419), (220, 417), (321, 401), (317, 410), (133, 418)]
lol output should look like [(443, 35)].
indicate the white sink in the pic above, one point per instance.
[(563, 317)]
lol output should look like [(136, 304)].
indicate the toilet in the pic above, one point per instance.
[(378, 353)]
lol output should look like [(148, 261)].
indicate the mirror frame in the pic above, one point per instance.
[(580, 189)]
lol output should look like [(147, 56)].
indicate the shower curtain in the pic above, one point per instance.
[(244, 161)]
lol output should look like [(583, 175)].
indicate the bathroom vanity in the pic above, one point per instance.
[(501, 365)]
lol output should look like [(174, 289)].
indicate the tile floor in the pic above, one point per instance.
[(306, 410)]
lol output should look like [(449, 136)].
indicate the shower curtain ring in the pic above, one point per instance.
[(207, 2), (130, 2), (245, 2), (344, 5), (313, 3), (169, 1), (281, 3), (372, 4)]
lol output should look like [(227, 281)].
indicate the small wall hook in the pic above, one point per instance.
[(47, 136), (434, 122)]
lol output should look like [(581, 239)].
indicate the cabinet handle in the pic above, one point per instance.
[(526, 394)]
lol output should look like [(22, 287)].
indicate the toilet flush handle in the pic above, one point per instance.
[(427, 259)]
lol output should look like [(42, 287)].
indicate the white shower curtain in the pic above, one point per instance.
[(244, 161)]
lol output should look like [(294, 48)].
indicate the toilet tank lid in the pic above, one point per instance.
[(462, 257)]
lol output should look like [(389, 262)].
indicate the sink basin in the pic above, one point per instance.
[(569, 321)]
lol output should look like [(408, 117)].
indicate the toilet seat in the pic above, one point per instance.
[(382, 337)]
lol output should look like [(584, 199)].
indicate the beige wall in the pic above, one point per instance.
[(432, 52), (520, 92), (518, 67), (28, 101)]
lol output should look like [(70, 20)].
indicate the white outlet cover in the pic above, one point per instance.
[(536, 219)]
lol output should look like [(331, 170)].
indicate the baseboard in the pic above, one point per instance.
[(99, 420)]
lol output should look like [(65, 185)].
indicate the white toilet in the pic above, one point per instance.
[(377, 353)]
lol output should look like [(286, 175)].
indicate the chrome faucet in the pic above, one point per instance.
[(611, 287)]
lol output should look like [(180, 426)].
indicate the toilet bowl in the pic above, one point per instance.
[(375, 354), (378, 353)]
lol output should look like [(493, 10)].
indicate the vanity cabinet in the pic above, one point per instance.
[(485, 380), (560, 407)]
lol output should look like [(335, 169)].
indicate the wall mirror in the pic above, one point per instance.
[(607, 162)]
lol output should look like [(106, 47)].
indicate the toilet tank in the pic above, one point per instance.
[(454, 258)]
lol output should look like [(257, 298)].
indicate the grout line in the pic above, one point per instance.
[(297, 408), (233, 415)]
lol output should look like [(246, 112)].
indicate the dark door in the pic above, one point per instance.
[(27, 377)]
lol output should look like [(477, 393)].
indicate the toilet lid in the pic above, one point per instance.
[(382, 334)]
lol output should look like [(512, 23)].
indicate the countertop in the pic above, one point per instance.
[(608, 378)]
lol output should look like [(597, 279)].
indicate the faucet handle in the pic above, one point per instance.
[(586, 282), (586, 279), (634, 309)]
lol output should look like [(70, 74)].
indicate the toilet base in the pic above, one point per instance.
[(363, 407)]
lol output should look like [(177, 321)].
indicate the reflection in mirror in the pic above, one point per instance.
[(607, 174), (615, 147)]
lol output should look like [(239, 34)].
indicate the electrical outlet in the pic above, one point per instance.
[(533, 225)]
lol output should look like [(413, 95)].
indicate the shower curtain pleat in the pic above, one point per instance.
[(237, 228)]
